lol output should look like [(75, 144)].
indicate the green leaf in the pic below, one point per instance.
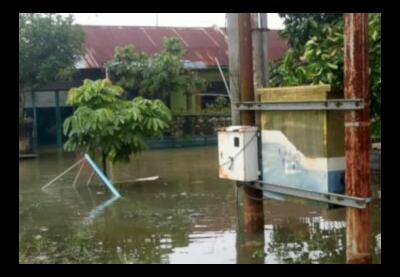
[(332, 66), (309, 53)]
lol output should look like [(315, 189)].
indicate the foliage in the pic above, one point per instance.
[(126, 257), (155, 76), (257, 254), (300, 27), (104, 122), (23, 249), (321, 62), (220, 105), (320, 59), (375, 71), (49, 45)]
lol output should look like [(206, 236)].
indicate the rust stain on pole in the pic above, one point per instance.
[(253, 206), (253, 210), (357, 140)]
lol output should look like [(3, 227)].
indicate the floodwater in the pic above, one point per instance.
[(188, 215)]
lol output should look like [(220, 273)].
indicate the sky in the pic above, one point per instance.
[(164, 19)]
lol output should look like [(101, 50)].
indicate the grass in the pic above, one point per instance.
[(23, 249)]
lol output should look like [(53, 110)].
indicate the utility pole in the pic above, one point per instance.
[(156, 19), (250, 228), (260, 47), (260, 56), (253, 205), (357, 137), (253, 237), (233, 48)]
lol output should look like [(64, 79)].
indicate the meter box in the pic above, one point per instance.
[(238, 153)]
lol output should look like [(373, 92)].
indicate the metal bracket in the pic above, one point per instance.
[(331, 104), (260, 29), (333, 198)]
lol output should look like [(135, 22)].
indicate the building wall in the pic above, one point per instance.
[(48, 110), (178, 102), (50, 113)]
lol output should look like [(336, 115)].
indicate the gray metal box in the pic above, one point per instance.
[(238, 153)]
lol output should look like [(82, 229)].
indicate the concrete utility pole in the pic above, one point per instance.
[(260, 46), (233, 48), (259, 24), (357, 137)]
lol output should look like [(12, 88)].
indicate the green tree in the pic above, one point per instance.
[(49, 46), (300, 27), (154, 76), (219, 105), (317, 57), (104, 123)]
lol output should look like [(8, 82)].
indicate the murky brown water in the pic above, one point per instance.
[(189, 215)]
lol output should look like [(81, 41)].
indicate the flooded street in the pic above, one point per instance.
[(188, 215)]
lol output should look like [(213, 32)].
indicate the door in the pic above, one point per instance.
[(46, 126)]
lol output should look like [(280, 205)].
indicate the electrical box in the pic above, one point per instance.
[(303, 149), (238, 153)]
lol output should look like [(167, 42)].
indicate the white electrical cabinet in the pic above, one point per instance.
[(238, 153)]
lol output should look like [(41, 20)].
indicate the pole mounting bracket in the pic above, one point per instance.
[(331, 104), (332, 198)]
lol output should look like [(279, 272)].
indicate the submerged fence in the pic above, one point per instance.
[(191, 129)]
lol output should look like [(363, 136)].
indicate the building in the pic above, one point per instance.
[(47, 106)]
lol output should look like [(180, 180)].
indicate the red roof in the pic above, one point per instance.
[(202, 44)]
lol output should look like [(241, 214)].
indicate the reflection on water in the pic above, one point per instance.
[(187, 216)]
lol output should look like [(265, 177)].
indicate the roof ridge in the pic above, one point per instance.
[(202, 43), (142, 26)]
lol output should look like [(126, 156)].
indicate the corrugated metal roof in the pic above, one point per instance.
[(202, 44)]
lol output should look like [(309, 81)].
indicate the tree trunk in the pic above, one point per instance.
[(103, 160)]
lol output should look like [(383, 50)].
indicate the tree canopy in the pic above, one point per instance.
[(154, 76), (300, 27), (105, 123), (316, 55), (49, 46)]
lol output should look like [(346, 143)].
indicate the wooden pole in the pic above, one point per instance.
[(78, 174), (357, 137), (253, 209), (250, 226), (62, 174)]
